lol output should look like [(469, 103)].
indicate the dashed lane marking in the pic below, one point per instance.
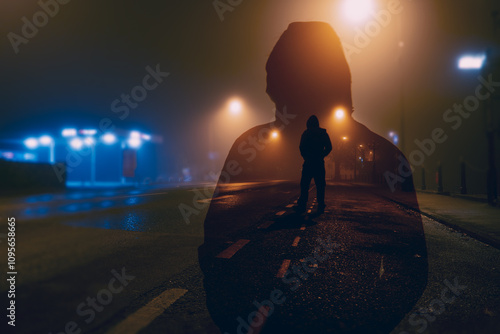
[(283, 268), (231, 250), (302, 228), (296, 241), (144, 316), (265, 225), (281, 213), (289, 206), (208, 200), (381, 271)]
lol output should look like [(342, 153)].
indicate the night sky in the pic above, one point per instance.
[(91, 52)]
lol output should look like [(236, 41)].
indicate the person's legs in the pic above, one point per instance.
[(319, 180), (305, 181)]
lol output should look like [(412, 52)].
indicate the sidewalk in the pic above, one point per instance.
[(469, 214), (477, 219)]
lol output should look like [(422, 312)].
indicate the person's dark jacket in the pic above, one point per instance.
[(315, 143)]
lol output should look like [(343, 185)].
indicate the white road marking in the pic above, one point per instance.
[(296, 241), (144, 316), (231, 250), (283, 268), (381, 270), (281, 213), (265, 225), (302, 228), (289, 206), (208, 200)]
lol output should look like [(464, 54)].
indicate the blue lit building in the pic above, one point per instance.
[(90, 158)]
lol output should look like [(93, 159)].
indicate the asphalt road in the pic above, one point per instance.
[(127, 262)]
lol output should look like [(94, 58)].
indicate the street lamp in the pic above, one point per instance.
[(471, 62), (45, 140), (339, 114), (88, 132), (134, 141), (76, 144), (358, 10), (235, 106), (49, 142), (108, 138), (70, 132), (31, 143)]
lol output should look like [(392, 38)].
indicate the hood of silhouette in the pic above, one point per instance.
[(312, 122), (308, 64)]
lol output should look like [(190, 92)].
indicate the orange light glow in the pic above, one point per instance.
[(235, 106), (274, 134), (339, 114), (358, 10)]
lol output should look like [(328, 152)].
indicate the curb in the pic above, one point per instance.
[(461, 196), (487, 240)]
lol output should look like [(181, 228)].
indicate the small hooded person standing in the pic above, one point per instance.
[(315, 145)]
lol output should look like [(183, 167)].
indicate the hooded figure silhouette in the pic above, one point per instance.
[(360, 267), (315, 145)]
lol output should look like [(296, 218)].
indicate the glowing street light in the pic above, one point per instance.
[(109, 138), (358, 10), (31, 143), (70, 132), (235, 106), (339, 114), (45, 140), (275, 134), (471, 62), (76, 144), (135, 134), (34, 143), (88, 132), (48, 141), (134, 142)]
